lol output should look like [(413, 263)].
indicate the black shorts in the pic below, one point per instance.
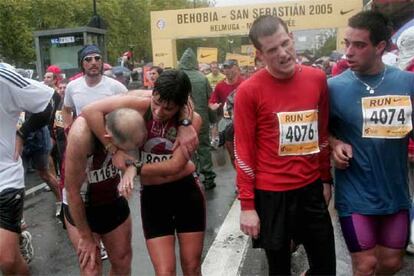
[(11, 209), (103, 219), (292, 215), (177, 206)]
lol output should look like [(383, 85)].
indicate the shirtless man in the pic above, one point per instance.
[(93, 208)]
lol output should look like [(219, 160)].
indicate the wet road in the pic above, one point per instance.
[(54, 254)]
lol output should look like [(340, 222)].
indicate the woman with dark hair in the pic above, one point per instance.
[(171, 198)]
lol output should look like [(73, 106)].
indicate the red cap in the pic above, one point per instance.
[(54, 69)]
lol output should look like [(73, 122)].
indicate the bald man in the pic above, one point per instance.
[(92, 206)]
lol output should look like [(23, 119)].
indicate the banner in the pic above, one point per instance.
[(206, 55), (243, 60), (248, 50), (237, 20)]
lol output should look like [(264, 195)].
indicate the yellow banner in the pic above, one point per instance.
[(206, 55), (237, 20), (248, 50), (243, 60)]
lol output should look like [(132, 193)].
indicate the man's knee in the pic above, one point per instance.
[(365, 265), (389, 265), (121, 264), (165, 270), (95, 271), (9, 261)]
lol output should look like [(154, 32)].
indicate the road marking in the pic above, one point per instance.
[(35, 189), (227, 253)]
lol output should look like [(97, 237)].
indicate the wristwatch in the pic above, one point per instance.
[(185, 122), (138, 165)]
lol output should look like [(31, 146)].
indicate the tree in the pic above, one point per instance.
[(128, 23), (327, 47)]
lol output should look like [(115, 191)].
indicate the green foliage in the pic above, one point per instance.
[(127, 21), (15, 38), (327, 47)]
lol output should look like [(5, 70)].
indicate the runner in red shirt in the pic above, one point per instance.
[(223, 89), (282, 154)]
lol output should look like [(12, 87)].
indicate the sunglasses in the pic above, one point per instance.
[(89, 59)]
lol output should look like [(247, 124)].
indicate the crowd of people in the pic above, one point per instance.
[(283, 126)]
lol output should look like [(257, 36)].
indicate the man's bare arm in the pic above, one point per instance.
[(79, 146)]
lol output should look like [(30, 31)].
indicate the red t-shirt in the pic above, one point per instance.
[(223, 90), (265, 108)]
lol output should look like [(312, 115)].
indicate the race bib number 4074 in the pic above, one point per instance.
[(386, 117), (298, 132)]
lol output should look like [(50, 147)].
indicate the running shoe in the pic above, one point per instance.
[(26, 247), (58, 208), (410, 249), (23, 224), (104, 254)]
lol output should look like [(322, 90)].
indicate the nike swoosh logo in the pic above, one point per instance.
[(203, 56), (345, 12)]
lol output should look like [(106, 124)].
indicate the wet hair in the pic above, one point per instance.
[(264, 26), (158, 69), (124, 125), (378, 25), (173, 86)]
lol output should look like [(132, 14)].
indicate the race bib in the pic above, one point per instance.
[(386, 117), (102, 174), (21, 120), (59, 119), (148, 158), (298, 132)]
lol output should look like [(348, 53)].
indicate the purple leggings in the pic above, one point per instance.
[(363, 232)]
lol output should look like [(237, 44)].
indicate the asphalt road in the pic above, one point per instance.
[(54, 254)]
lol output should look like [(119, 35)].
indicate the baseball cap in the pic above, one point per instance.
[(230, 62), (54, 69)]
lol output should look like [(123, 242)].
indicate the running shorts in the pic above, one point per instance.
[(104, 218), (298, 215), (364, 232), (178, 206), (11, 209)]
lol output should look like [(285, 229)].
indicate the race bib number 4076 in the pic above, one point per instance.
[(386, 117), (298, 132)]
